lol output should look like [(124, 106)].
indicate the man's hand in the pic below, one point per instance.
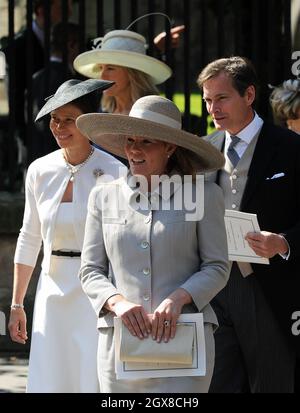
[(267, 244), (160, 39)]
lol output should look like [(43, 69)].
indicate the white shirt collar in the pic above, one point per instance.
[(56, 59), (38, 32), (248, 133)]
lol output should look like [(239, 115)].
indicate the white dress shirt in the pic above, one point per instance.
[(246, 135)]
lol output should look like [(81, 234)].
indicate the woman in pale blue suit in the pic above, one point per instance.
[(142, 261)]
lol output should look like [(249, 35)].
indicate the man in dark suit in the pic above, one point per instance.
[(255, 345), (46, 81), (20, 53)]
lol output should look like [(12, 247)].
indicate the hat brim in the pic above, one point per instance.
[(111, 130), (72, 93), (88, 63)]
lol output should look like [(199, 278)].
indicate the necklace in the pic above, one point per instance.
[(74, 169)]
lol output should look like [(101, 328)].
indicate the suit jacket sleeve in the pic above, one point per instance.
[(212, 245), (93, 273), (292, 235)]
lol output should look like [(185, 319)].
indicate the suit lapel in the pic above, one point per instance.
[(262, 155), (218, 140)]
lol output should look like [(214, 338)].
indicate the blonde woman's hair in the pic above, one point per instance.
[(140, 85), (285, 101)]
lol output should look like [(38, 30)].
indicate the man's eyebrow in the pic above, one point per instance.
[(215, 96)]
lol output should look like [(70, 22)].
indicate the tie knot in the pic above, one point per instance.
[(234, 141)]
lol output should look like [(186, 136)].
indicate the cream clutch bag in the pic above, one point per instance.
[(177, 350)]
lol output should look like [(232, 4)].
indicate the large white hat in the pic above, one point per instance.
[(122, 48), (153, 117)]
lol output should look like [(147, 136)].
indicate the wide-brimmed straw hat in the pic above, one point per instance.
[(122, 48), (71, 90), (152, 117)]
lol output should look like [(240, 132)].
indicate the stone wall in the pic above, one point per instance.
[(11, 214)]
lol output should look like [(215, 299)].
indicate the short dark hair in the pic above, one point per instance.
[(63, 32), (239, 69), (39, 3)]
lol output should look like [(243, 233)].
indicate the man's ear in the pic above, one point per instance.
[(250, 94)]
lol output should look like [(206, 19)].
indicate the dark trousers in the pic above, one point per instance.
[(251, 353)]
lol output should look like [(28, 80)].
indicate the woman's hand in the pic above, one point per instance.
[(133, 315), (17, 325), (165, 317)]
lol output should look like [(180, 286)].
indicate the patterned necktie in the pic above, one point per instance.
[(231, 152)]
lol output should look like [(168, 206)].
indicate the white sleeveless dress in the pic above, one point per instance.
[(63, 354)]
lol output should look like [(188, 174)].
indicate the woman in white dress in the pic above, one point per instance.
[(64, 335)]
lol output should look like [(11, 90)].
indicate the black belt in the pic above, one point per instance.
[(71, 254)]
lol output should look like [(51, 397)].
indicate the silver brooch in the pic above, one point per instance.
[(97, 172)]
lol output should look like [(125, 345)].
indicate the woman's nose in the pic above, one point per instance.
[(104, 75), (60, 125), (135, 147)]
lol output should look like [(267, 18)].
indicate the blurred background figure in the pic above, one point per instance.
[(21, 61), (37, 34), (65, 36), (285, 103), (160, 39), (120, 56)]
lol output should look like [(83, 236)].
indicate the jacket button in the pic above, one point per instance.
[(146, 271), (234, 206), (234, 191), (234, 177), (145, 245), (146, 297)]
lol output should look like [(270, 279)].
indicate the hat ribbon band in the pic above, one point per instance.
[(155, 117)]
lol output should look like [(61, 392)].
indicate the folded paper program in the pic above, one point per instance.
[(177, 350)]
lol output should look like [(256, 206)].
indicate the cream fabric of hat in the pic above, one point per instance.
[(152, 117), (122, 48)]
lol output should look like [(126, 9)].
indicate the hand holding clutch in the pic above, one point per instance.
[(177, 350)]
